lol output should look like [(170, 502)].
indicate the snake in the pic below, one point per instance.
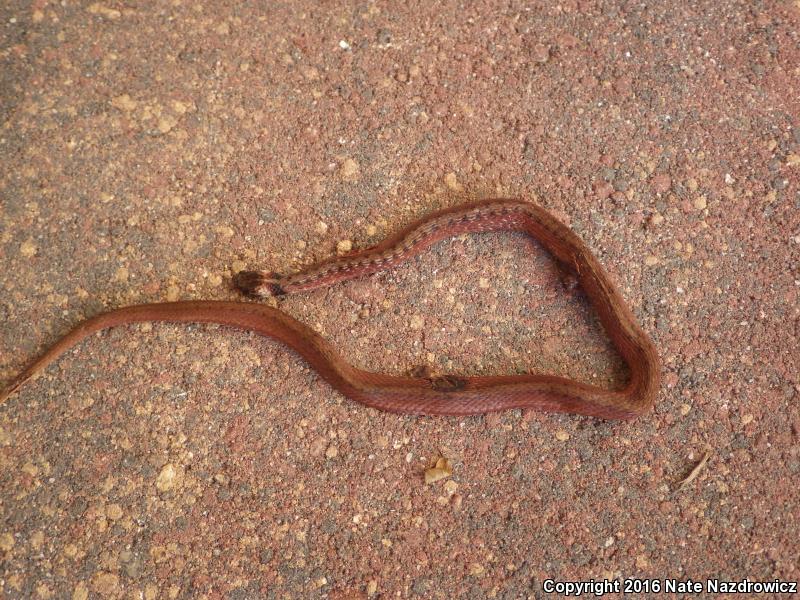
[(423, 393)]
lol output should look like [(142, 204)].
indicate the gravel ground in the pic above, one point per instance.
[(152, 149)]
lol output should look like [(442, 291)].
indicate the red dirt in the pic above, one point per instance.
[(151, 150)]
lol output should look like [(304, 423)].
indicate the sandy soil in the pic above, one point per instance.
[(152, 149)]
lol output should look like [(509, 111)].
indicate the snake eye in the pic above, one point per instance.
[(448, 383)]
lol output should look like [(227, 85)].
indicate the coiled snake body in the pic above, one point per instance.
[(447, 395)]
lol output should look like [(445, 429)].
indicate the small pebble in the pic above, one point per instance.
[(167, 123), (349, 169), (124, 103), (105, 584), (81, 592), (6, 542), (174, 292), (540, 53), (661, 183), (344, 246), (779, 183), (28, 248), (451, 181), (603, 189), (166, 479), (309, 72), (104, 11)]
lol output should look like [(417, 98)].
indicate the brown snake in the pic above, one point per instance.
[(448, 395)]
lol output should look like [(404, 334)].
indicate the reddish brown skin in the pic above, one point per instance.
[(445, 395)]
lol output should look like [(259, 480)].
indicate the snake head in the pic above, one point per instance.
[(258, 283)]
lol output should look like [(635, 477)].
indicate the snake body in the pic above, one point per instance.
[(445, 395)]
